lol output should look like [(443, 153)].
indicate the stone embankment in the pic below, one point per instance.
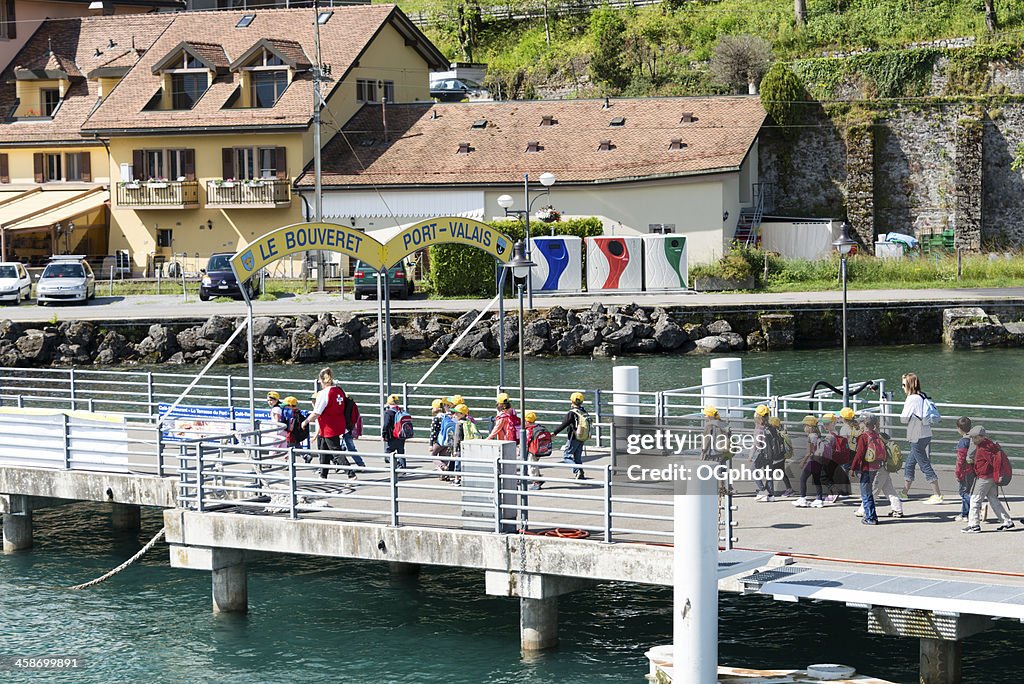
[(595, 331)]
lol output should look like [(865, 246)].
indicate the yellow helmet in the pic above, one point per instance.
[(775, 421), (462, 409), (847, 413), (501, 398), (436, 404), (828, 418), (457, 399), (576, 397), (761, 410), (445, 401), (810, 420), (710, 411), (291, 401), (273, 395), (394, 399), (530, 417)]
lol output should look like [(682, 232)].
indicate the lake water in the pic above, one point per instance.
[(315, 620)]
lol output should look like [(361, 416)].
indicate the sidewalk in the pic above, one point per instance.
[(169, 307)]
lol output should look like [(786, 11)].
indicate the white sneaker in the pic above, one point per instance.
[(817, 503), (761, 495), (767, 499), (801, 503), (859, 512)]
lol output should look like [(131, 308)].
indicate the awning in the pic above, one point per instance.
[(39, 209), (66, 209), (341, 205)]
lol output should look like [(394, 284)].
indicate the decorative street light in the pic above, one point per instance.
[(547, 179), (520, 266), (844, 245)]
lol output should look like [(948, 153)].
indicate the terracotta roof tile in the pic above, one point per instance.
[(342, 40), (424, 141), (76, 41)]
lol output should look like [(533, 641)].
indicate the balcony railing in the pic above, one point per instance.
[(158, 194), (268, 192)]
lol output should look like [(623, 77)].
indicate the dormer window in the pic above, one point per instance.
[(266, 69), (187, 71), (187, 88), (49, 100)]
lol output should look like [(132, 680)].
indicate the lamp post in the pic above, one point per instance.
[(843, 245), (520, 266), (547, 179)]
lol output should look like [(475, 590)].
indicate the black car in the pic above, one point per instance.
[(456, 90), (219, 280)]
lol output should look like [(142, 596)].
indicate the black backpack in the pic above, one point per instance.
[(775, 446), (297, 434)]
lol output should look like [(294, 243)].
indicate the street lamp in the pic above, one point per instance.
[(520, 266), (844, 245), (547, 179)]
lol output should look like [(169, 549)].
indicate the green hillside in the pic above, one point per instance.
[(665, 49)]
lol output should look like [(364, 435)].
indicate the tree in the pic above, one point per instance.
[(800, 9), (740, 62), (608, 35), (991, 21)]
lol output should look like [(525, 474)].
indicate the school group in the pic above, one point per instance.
[(851, 448), (339, 424)]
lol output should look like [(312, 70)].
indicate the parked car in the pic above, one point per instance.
[(399, 279), (219, 280), (15, 282), (457, 90), (67, 278)]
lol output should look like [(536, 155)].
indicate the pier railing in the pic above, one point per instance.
[(492, 494)]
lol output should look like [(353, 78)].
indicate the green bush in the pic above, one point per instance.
[(464, 271)]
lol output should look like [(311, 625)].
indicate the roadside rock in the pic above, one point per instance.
[(305, 347), (112, 349), (274, 349), (719, 327), (694, 331), (265, 327), (777, 331), (9, 330), (82, 333), (735, 341), (712, 344), (1014, 334), (337, 344), (756, 341), (971, 328), (37, 346), (463, 321), (216, 329), (668, 335)]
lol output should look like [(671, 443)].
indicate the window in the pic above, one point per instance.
[(153, 164), (186, 89), (266, 87), (268, 162), (245, 21), (163, 237), (255, 162), (367, 91), (172, 165), (324, 17), (49, 100), (64, 270), (73, 165), (177, 164), (7, 20), (51, 168)]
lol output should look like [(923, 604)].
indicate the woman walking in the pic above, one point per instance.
[(919, 434), (818, 451)]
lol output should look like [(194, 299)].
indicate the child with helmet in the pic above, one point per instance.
[(577, 425)]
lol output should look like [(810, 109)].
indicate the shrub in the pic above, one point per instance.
[(464, 271)]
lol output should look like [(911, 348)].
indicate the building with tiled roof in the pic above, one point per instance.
[(641, 164), (198, 121)]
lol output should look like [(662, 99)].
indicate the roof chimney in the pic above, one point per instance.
[(607, 104)]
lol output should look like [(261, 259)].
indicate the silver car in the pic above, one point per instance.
[(66, 279)]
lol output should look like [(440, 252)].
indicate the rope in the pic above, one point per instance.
[(124, 565)]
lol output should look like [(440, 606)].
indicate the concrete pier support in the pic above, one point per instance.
[(941, 661), (126, 517), (230, 583), (538, 623), (404, 569), (17, 523)]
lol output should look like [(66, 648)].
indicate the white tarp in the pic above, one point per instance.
[(35, 438), (343, 205), (798, 239)]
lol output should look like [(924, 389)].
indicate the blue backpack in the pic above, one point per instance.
[(446, 434), (931, 411)]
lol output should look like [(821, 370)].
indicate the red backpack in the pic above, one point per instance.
[(510, 427), (1003, 470), (540, 442)]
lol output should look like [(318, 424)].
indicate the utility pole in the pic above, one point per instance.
[(318, 199)]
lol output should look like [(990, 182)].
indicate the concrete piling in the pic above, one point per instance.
[(538, 623), (126, 517), (230, 583), (941, 661), (18, 524), (404, 569)]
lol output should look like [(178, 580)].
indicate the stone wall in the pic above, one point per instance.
[(931, 171)]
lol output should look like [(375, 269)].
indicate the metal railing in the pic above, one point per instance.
[(255, 193), (172, 194)]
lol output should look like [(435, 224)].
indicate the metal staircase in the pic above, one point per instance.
[(748, 228)]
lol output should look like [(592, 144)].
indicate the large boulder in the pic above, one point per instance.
[(668, 335), (695, 331), (113, 348), (712, 344), (777, 331), (480, 335), (305, 347), (37, 346), (570, 344), (441, 344), (644, 345), (9, 330), (82, 333), (337, 344), (536, 337), (735, 341), (216, 329), (276, 348), (264, 326), (1014, 334), (464, 321), (718, 327), (189, 340), (159, 344)]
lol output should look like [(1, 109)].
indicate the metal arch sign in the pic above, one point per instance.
[(334, 237), (447, 230)]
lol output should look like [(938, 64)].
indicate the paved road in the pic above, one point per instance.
[(149, 307)]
